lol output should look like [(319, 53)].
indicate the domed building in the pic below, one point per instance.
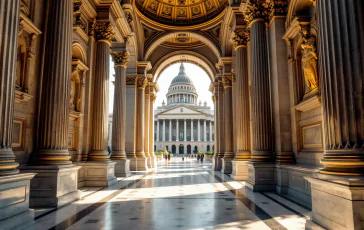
[(183, 124)]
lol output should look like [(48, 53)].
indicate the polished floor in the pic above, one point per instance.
[(178, 195)]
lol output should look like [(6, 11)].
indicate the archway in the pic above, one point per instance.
[(181, 149), (208, 148), (173, 149), (188, 149), (195, 149)]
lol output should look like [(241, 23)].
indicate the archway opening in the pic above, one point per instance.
[(173, 149), (188, 149), (181, 149)]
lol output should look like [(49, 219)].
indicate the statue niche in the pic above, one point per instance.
[(76, 89), (20, 65), (309, 65)]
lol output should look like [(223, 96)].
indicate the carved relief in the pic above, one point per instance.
[(101, 31), (277, 8), (240, 37), (77, 14), (141, 82), (120, 58), (130, 80)]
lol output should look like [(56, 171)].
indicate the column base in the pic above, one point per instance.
[(338, 204), (122, 168), (139, 164), (14, 202), (261, 177), (154, 162), (217, 163), (53, 186), (227, 167), (97, 173), (240, 170)]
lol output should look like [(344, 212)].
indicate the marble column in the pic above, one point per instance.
[(164, 130), (228, 127), (219, 125), (210, 127), (122, 166), (185, 131), (99, 158), (192, 139), (242, 106), (170, 129), (261, 162), (147, 126), (204, 130), (157, 130), (215, 159), (55, 184), (141, 164), (198, 130), (335, 189), (177, 131), (13, 186), (151, 130)]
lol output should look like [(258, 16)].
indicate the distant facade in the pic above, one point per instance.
[(182, 126)]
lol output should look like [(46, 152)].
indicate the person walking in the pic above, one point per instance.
[(202, 157), (169, 157), (183, 157), (198, 157)]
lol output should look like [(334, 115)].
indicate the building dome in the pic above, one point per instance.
[(181, 89)]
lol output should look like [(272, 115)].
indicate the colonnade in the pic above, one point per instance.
[(187, 136), (180, 97)]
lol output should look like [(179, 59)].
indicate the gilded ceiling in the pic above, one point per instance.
[(181, 12)]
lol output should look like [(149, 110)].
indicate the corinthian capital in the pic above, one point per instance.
[(227, 81), (240, 38), (141, 82), (104, 31), (256, 9), (277, 8), (121, 58)]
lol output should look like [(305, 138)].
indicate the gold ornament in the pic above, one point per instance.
[(309, 63), (120, 58), (240, 37)]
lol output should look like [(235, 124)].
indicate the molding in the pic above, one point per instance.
[(21, 97), (309, 104)]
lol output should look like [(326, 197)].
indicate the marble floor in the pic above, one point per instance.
[(178, 195)]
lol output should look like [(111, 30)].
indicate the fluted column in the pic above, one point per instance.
[(54, 112), (9, 14), (228, 126), (192, 139), (177, 131), (100, 113), (185, 131), (151, 130), (215, 162), (262, 149), (157, 130), (198, 130), (204, 130), (121, 60), (141, 83), (242, 106), (146, 125), (341, 40), (170, 129), (164, 130), (210, 126)]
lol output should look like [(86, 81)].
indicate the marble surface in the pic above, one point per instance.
[(179, 195)]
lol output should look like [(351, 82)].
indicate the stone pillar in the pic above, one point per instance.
[(204, 130), (164, 130), (228, 126), (56, 181), (14, 215), (337, 187), (242, 106), (219, 126), (185, 131), (216, 144), (177, 131), (122, 166), (157, 130), (151, 129), (261, 162), (141, 83), (198, 130), (192, 139), (210, 127), (147, 126), (99, 158), (170, 130)]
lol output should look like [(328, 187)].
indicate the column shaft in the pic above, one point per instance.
[(242, 121), (260, 94), (204, 131), (151, 130), (210, 127), (157, 130), (185, 131), (198, 130), (192, 130), (220, 121), (54, 112), (9, 14), (177, 131), (164, 130), (228, 122), (147, 127), (119, 109), (341, 36), (170, 130), (140, 134)]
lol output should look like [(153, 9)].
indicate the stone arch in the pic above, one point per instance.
[(189, 151), (185, 56), (297, 7), (214, 47), (173, 149), (78, 52)]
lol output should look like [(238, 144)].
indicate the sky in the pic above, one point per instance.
[(198, 76)]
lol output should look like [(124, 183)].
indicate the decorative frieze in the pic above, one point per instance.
[(240, 38), (120, 58)]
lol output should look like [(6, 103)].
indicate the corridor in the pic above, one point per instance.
[(178, 195)]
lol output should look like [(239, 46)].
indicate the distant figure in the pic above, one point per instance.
[(169, 157), (198, 157), (202, 157), (183, 158)]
